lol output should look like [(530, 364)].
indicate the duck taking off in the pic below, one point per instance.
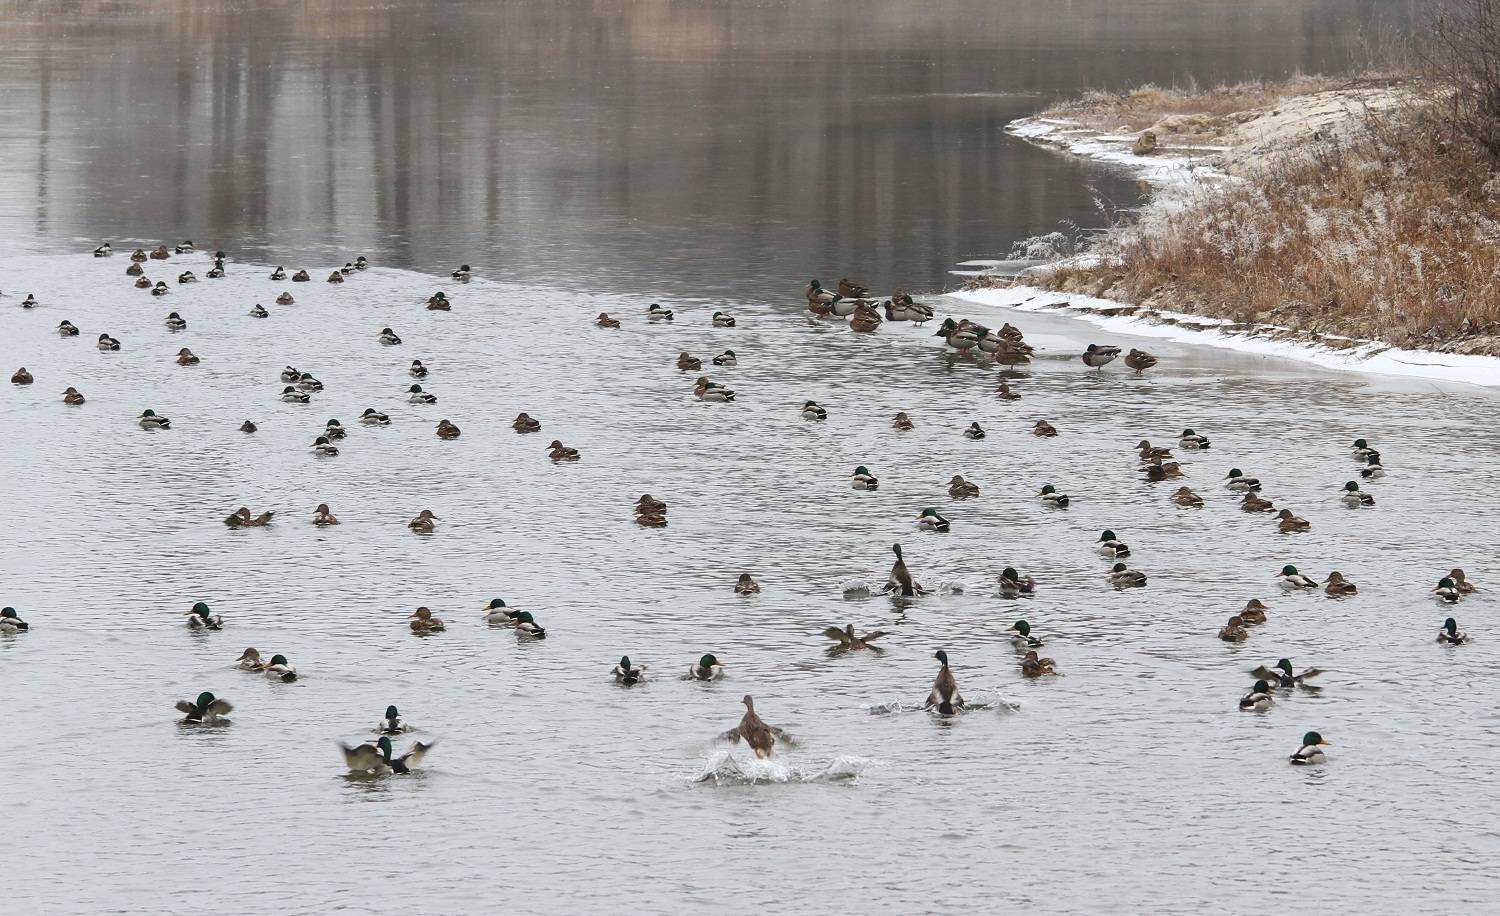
[(378, 758), (755, 732), (900, 578), (944, 698)]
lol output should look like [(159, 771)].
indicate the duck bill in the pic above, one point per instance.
[(1326, 741)]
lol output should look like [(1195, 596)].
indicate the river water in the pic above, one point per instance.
[(588, 157)]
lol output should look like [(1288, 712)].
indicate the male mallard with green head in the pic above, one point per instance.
[(1259, 698), (627, 674), (930, 520), (497, 613), (944, 697), (279, 669), (418, 396), (1023, 638), (201, 618), (1110, 546), (1354, 498), (1292, 579), (900, 578), (1450, 633), (863, 479), (1053, 499), (1311, 751), (149, 420), (528, 627), (1192, 441), (391, 723), (708, 668), (812, 411), (11, 622), (1015, 585), (380, 759), (1282, 674), (1237, 481), (206, 710)]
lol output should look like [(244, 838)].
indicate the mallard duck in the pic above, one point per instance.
[(902, 421), (1253, 503), (1122, 577), (21, 377), (361, 263), (865, 320), (285, 299), (1361, 449), (944, 697), (1447, 590), (812, 411), (11, 622), (864, 480), (711, 391), (815, 292), (1354, 498), (1372, 469), (1111, 546), (186, 247), (900, 578), (438, 302), (389, 338), (1023, 638), (160, 253), (278, 669), (424, 523), (559, 452), (523, 423), (103, 251), (1450, 633), (1015, 585), (291, 395), (656, 313), (1235, 630), (900, 307), (1051, 498), (851, 290), (290, 374), (301, 276), (67, 329), (149, 420), (1157, 470), (755, 732), (207, 709), (334, 430), (416, 369), (1289, 523), (708, 668), (71, 396), (201, 618), (322, 448), (1139, 360), (686, 362), (974, 431), (249, 660), (723, 320), (187, 276), (497, 613), (307, 382), (380, 759), (1254, 612), (1336, 586), (373, 417), (958, 488), (1148, 451), (647, 505), (1004, 392), (930, 520), (1281, 674), (1192, 441), (423, 622), (161, 289), (1035, 666), (1237, 481), (278, 274), (134, 270), (108, 344), (746, 585), (1096, 357), (417, 396), (391, 723), (1011, 353), (324, 517), (186, 357), (241, 518), (651, 520), (248, 426), (627, 674), (960, 337), (447, 430), (1187, 498), (604, 321), (1291, 578), (138, 255), (143, 282), (1311, 752), (847, 640), (462, 274), (1259, 698), (258, 311), (727, 358), (1043, 429)]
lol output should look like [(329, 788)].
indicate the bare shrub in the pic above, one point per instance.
[(1461, 61)]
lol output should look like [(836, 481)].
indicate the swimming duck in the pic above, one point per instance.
[(709, 668), (71, 396), (322, 448), (373, 417), (241, 518), (1110, 546), (930, 520), (960, 337), (285, 299), (1015, 585), (1259, 698), (389, 337), (21, 377), (301, 276), (647, 505), (1034, 666), (143, 282), (711, 391), (1096, 357), (1148, 451), (1253, 503), (422, 622), (811, 411), (447, 430), (201, 618), (462, 274), (1465, 587), (149, 420), (248, 427), (1289, 522), (1187, 498), (1005, 394), (944, 697), (723, 320), (1121, 577), (1139, 360), (161, 288), (657, 313), (66, 329), (1157, 470), (900, 578), (11, 622), (864, 480), (604, 321), (755, 732), (103, 251), (138, 255), (1050, 497), (380, 759), (1336, 586), (497, 612), (1354, 498), (1450, 634), (108, 344), (974, 431), (278, 274), (307, 382), (259, 311), (360, 263), (290, 374), (1372, 469), (416, 369), (424, 523), (186, 247), (1281, 674), (559, 452), (185, 357), (160, 253), (1234, 631), (688, 363), (187, 276), (278, 669), (1254, 612), (134, 270), (525, 424), (391, 723), (1023, 638), (628, 674), (438, 302), (1290, 578), (1361, 449), (1043, 429), (1236, 480), (746, 585), (958, 488), (847, 640), (902, 421), (292, 396), (727, 358), (1311, 752), (418, 396), (1192, 441), (207, 709), (249, 660), (323, 517), (334, 431)]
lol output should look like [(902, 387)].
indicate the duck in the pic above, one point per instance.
[(1187, 498), (186, 357), (1043, 429), (71, 396), (524, 423), (186, 247), (960, 336), (241, 518), (416, 369), (249, 660), (1372, 469), (974, 432), (848, 641), (1237, 481), (417, 396), (67, 329), (1004, 392), (380, 759), (1290, 523), (278, 274), (103, 251), (160, 253), (958, 488), (1121, 577), (187, 276), (1253, 503), (755, 732), (1111, 546), (851, 290), (134, 270), (138, 255), (323, 517), (902, 421), (1355, 498), (1023, 638), (900, 579), (1259, 698), (391, 723), (1157, 470), (708, 668), (1461, 579), (462, 274), (1051, 498), (301, 276), (161, 288), (1361, 449), (930, 520), (143, 281), (1192, 441), (812, 411), (656, 313), (1450, 634), (322, 448), (900, 307), (1015, 585), (627, 674), (1336, 586), (373, 417), (291, 395), (604, 321), (447, 430), (278, 669), (201, 618), (108, 344), (865, 320), (1235, 630), (864, 480), (438, 302), (206, 710), (944, 698), (285, 299), (424, 523), (1139, 360), (497, 612), (815, 293), (723, 320), (361, 263), (389, 338), (307, 382), (11, 622), (559, 452), (259, 311), (1281, 674), (1035, 666), (1311, 751), (1254, 612), (711, 391), (746, 585), (290, 374), (1097, 357), (647, 505), (686, 362), (21, 377), (334, 430), (1010, 353), (149, 420), (1148, 451), (727, 358), (1292, 579), (422, 622)]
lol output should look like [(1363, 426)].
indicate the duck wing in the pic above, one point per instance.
[(362, 758), (1265, 674), (837, 635), (1310, 672), (414, 756), (220, 707), (183, 706), (872, 635)]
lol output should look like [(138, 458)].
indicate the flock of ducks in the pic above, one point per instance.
[(849, 300)]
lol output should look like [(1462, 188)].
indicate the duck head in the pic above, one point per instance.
[(252, 655), (1314, 738), (278, 660), (896, 549), (205, 699), (625, 663), (201, 610), (1260, 687), (1021, 626), (1285, 665), (1351, 487), (1118, 568), (709, 661), (942, 657), (384, 746), (524, 617), (392, 713), (1289, 570), (1107, 536), (1010, 573), (1451, 626), (946, 329), (1048, 489), (495, 604), (1233, 473)]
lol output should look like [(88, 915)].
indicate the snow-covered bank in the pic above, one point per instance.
[(1180, 166)]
